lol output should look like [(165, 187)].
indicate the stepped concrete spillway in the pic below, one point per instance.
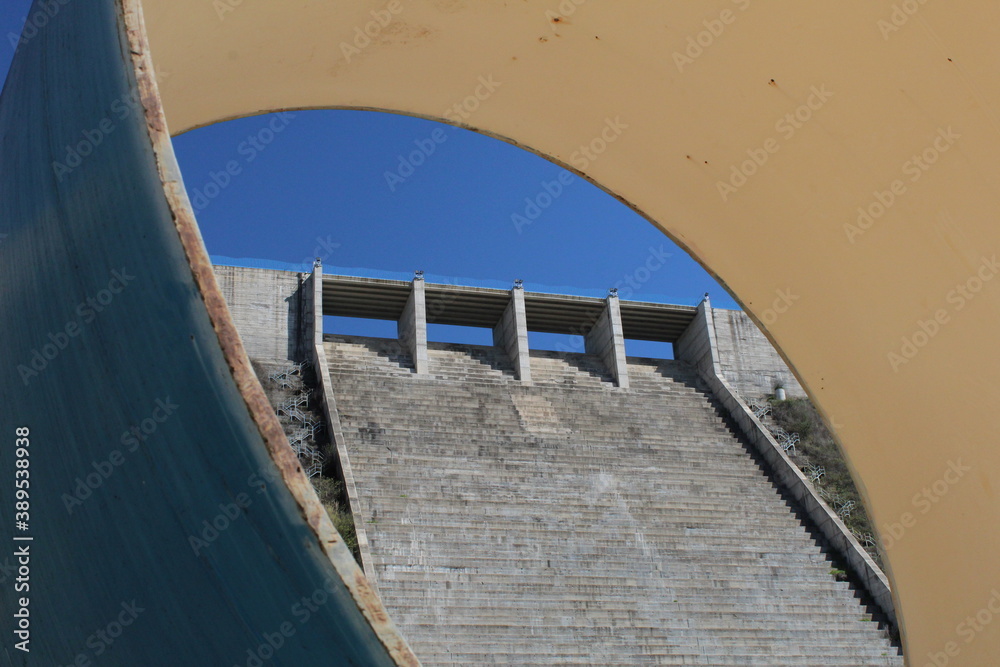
[(570, 521)]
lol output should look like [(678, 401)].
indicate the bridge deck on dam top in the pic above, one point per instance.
[(381, 299)]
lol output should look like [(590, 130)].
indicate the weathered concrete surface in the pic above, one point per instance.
[(511, 335), (788, 475), (412, 326), (699, 347), (607, 341), (748, 360), (269, 309), (572, 522), (163, 494), (728, 343)]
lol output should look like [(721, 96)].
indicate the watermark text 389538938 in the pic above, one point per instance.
[(22, 538)]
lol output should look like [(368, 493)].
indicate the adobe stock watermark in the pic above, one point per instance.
[(130, 440), (225, 7), (632, 282), (322, 251), (900, 15), (698, 43), (627, 287), (581, 158), (534, 206), (409, 163), (787, 127), (585, 154), (249, 150), (363, 35), (956, 299), (968, 630), (301, 611), (85, 313), (914, 168), (439, 306), (90, 139), (460, 112), (923, 502), (230, 512), (47, 10), (565, 9), (104, 637), (783, 302)]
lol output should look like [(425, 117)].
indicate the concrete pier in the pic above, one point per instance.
[(511, 334), (412, 325), (606, 339)]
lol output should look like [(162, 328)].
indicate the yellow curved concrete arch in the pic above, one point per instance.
[(834, 164)]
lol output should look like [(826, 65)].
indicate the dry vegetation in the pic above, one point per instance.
[(816, 447)]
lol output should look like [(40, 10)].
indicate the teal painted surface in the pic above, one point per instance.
[(96, 292)]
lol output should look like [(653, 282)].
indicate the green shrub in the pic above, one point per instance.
[(332, 494)]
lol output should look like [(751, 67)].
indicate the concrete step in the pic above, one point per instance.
[(570, 522)]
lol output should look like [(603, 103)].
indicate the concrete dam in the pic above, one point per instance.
[(911, 401), (516, 506)]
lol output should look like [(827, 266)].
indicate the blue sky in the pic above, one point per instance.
[(315, 183)]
